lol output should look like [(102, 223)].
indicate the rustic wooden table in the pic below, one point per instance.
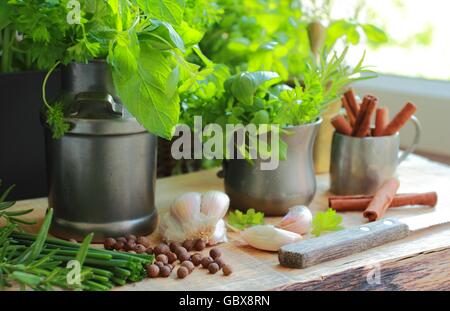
[(419, 262)]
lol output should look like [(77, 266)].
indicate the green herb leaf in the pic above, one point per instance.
[(150, 93), (84, 248), (55, 119), (240, 220), (243, 86), (326, 221), (166, 10), (374, 34)]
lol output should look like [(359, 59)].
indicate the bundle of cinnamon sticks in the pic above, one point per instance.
[(375, 206), (359, 116)]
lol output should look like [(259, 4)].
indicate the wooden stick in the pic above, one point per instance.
[(381, 121), (400, 119), (341, 125), (381, 200), (360, 203)]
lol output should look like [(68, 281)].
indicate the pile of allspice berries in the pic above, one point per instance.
[(167, 255)]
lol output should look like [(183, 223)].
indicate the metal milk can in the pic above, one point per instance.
[(101, 174)]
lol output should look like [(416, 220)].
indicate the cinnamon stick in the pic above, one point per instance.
[(381, 121), (361, 202), (381, 200), (351, 99), (341, 125), (361, 114), (400, 119), (363, 127), (350, 114)]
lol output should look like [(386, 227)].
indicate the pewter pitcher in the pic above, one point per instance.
[(102, 172), (362, 165), (274, 191)]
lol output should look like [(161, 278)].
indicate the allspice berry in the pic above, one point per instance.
[(188, 245), (182, 272), (109, 243), (220, 262), (152, 270), (170, 266), (199, 245), (121, 239), (159, 264), (144, 241), (162, 258), (215, 253), (140, 249), (130, 237), (206, 261), (173, 246), (227, 270), (183, 256), (164, 271), (162, 248), (213, 268), (179, 250), (172, 257), (130, 245), (196, 259), (188, 264), (149, 251), (119, 246)]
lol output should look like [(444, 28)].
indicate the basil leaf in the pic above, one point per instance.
[(149, 94), (162, 36), (245, 85), (166, 10)]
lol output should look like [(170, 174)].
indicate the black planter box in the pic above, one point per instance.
[(22, 148)]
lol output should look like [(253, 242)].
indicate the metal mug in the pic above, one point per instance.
[(362, 165), (273, 191)]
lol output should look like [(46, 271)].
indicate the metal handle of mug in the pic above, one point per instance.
[(412, 147)]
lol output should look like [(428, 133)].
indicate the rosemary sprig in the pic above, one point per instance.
[(11, 217), (41, 263)]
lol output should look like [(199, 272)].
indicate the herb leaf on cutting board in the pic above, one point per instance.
[(240, 220), (326, 221)]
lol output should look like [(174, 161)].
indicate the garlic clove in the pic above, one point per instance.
[(268, 237), (298, 220), (220, 234), (215, 204), (186, 207)]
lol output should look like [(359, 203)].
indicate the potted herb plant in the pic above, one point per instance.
[(323, 34), (257, 98), (284, 39), (122, 65)]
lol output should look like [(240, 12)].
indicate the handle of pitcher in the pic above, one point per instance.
[(412, 147)]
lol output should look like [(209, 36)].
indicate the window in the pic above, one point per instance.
[(419, 35)]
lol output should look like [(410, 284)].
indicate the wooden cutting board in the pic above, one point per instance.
[(421, 261)]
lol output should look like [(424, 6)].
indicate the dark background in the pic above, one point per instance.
[(22, 149)]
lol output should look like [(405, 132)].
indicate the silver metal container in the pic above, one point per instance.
[(101, 174), (274, 191), (362, 165)]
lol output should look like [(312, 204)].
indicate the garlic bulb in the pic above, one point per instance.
[(195, 216), (215, 204), (268, 237), (297, 220), (186, 206)]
